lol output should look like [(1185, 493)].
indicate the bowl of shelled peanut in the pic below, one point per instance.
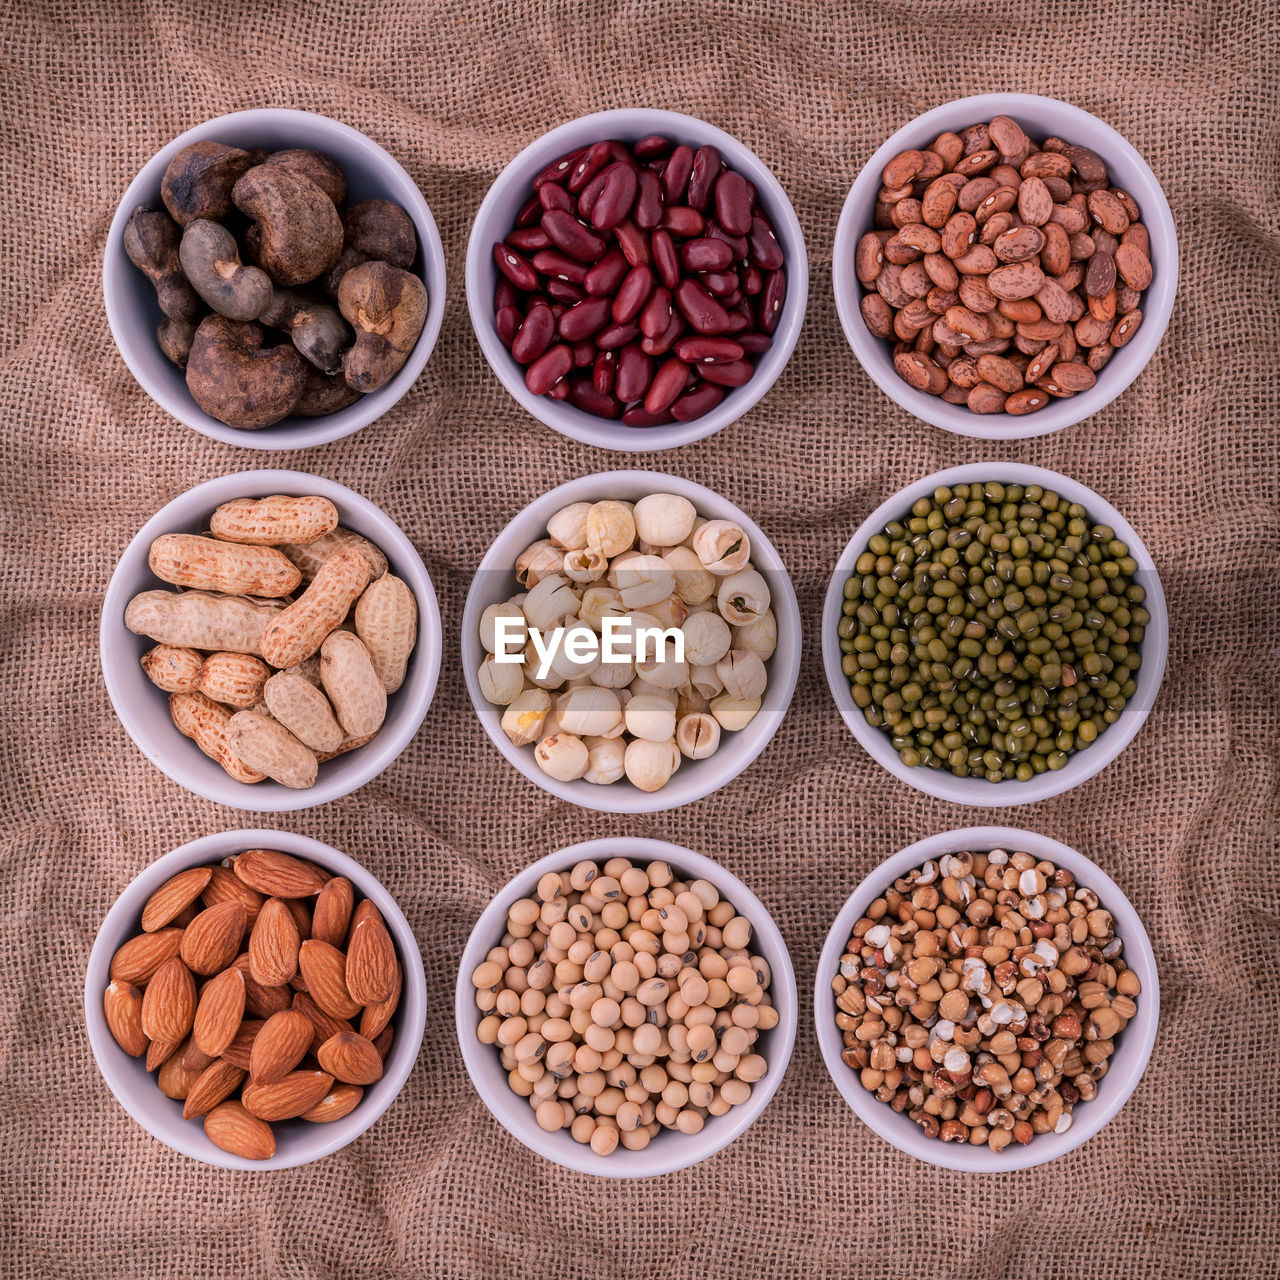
[(987, 1000), (270, 640)]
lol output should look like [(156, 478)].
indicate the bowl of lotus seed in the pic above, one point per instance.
[(995, 634), (631, 641), (987, 1000), (626, 1057)]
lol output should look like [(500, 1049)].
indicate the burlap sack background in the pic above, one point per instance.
[(1182, 1183)]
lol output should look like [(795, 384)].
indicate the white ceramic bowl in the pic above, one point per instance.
[(297, 1141), (130, 301), (670, 1150), (1133, 1047), (144, 710), (1083, 764), (497, 215), (1040, 118), (495, 581)]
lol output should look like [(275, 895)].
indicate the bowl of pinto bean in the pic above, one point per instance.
[(1005, 266), (637, 279)]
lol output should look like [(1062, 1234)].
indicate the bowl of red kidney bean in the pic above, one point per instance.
[(1005, 266), (637, 279)]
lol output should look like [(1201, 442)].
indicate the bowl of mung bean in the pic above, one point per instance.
[(626, 1007), (987, 1000), (995, 634)]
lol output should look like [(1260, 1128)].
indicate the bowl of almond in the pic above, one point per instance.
[(255, 999)]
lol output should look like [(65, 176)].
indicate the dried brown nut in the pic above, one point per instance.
[(315, 328), (300, 233), (234, 379), (373, 231), (175, 338), (387, 307), (151, 239), (323, 393), (321, 169), (199, 179), (210, 260)]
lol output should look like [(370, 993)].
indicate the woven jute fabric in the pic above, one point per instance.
[(1182, 1182)]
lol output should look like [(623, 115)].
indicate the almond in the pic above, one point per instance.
[(377, 1016), (273, 945), (332, 914), (297, 1092), (278, 875), (323, 1024), (217, 1082), (212, 940), (240, 1050), (324, 969), (341, 1100), (137, 961), (351, 1059), (122, 1005), (220, 1012), (194, 1057), (161, 1052), (175, 1078), (301, 914), (371, 960), (280, 1045), (262, 1001), (225, 886), (173, 897), (383, 1042), (230, 1126), (169, 1003)]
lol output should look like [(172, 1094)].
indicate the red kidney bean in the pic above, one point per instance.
[(584, 355), (697, 401), (529, 239), (558, 170), (733, 374), (647, 211), (507, 321), (752, 280), (704, 254), (655, 316), (604, 372), (580, 322), (505, 295), (675, 177), (551, 262), (617, 195), (632, 294), (719, 283), (707, 166), (699, 308), (514, 267), (639, 416), (652, 147), (548, 369), (560, 391), (738, 245), (592, 161), (535, 334), (570, 235), (739, 320), (590, 194), (682, 221), (701, 351), (530, 211), (621, 151), (554, 197), (604, 278), (733, 203), (635, 372), (766, 252), (564, 291), (754, 343), (633, 242), (667, 384), (663, 343), (731, 300), (769, 304), (617, 335), (584, 395), (665, 258)]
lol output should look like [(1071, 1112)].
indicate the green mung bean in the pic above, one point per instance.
[(994, 632)]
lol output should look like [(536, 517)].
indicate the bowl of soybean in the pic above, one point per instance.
[(1016, 565)]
